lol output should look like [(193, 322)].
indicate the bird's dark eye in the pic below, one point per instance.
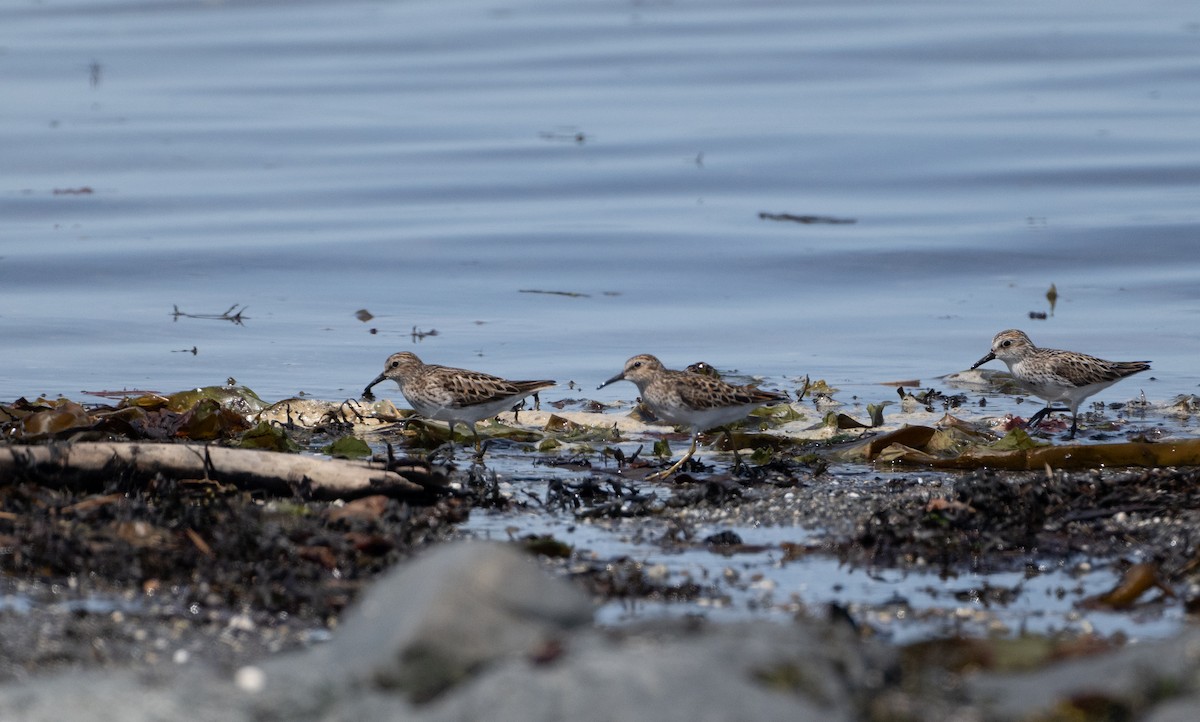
[(395, 364), (637, 364), (1007, 343)]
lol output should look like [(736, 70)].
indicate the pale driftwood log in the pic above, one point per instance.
[(270, 471)]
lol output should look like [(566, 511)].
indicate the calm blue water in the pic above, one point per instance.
[(420, 160)]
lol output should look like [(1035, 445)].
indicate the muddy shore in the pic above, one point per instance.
[(153, 577)]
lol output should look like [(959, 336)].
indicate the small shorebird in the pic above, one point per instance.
[(695, 400), (1055, 375), (704, 369), (457, 396)]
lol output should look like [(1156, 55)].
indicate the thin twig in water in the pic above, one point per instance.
[(564, 134), (229, 315), (804, 219), (569, 294), (122, 394)]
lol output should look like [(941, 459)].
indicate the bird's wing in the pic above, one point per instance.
[(469, 388), (702, 392)]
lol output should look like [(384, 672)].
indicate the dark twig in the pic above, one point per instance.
[(804, 219), (229, 315)]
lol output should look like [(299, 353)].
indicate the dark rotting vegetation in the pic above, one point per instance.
[(992, 520), (212, 545)]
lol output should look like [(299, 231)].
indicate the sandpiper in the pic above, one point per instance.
[(695, 400), (704, 368), (457, 396), (1055, 375)]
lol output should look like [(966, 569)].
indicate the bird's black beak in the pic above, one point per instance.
[(984, 360), (618, 377), (367, 391)]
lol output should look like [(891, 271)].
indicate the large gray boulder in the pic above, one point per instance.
[(451, 612), (431, 624), (479, 631), (665, 672)]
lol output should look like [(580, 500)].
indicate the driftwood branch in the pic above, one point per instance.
[(249, 469)]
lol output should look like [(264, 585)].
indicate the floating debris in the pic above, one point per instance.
[(805, 219), (122, 394), (565, 135), (229, 315), (568, 294)]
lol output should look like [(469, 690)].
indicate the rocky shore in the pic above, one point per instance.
[(480, 631), (135, 592)]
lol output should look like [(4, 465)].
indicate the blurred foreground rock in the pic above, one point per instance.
[(479, 631)]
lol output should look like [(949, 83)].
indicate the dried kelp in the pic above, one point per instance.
[(956, 447)]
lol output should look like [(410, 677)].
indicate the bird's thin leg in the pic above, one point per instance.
[(451, 442), (479, 448), (1033, 420), (664, 474), (737, 459)]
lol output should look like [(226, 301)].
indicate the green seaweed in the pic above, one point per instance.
[(1016, 440), (348, 447), (235, 398), (208, 420), (268, 437), (952, 448)]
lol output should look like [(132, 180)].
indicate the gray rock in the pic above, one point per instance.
[(1134, 678), (479, 631), (1186, 709), (119, 697), (756, 671), (452, 611), (440, 619)]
